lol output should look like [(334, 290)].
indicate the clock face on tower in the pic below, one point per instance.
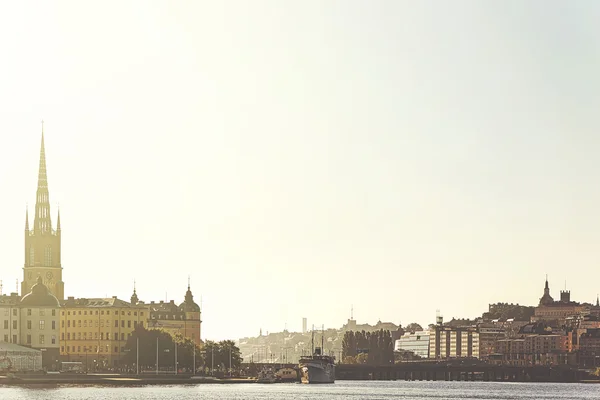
[(49, 275)]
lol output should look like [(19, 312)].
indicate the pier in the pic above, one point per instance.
[(445, 372)]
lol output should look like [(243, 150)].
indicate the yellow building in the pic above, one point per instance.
[(95, 330), (42, 243), (183, 319)]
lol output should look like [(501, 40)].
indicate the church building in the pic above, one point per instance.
[(42, 243)]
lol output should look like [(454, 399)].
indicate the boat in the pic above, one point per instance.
[(266, 376), (317, 368)]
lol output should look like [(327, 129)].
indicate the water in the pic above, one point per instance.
[(367, 390)]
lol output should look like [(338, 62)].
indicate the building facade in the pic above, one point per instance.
[(43, 243), (184, 320), (453, 342), (417, 343), (10, 310), (39, 329), (95, 330)]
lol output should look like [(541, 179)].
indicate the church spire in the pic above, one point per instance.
[(58, 220), (27, 218), (42, 222)]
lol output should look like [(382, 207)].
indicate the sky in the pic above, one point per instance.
[(297, 159)]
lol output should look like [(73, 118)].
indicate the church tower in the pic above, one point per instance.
[(42, 243)]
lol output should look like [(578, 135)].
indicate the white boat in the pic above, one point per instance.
[(317, 368)]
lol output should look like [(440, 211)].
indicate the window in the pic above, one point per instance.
[(14, 339), (68, 335), (116, 336), (68, 349), (116, 324), (78, 335), (122, 336), (42, 313), (129, 324), (5, 324), (28, 339), (85, 323), (14, 311), (135, 313), (28, 324), (134, 324), (62, 336), (79, 312), (85, 313), (6, 338), (42, 325), (29, 312), (53, 325), (102, 312), (62, 349), (122, 323), (142, 313), (78, 348), (54, 313), (62, 324), (84, 336), (68, 323), (48, 256), (53, 339), (14, 324), (41, 339), (116, 349), (96, 324), (79, 323)]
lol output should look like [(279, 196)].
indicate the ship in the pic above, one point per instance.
[(317, 368)]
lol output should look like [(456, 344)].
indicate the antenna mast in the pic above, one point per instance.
[(323, 339), (313, 340)]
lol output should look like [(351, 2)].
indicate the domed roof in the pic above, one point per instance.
[(39, 296), (188, 305)]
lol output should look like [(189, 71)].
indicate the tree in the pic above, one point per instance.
[(216, 355), (152, 340), (414, 327)]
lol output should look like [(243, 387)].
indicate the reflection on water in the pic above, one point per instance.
[(339, 390)]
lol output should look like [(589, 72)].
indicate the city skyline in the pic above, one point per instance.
[(402, 158)]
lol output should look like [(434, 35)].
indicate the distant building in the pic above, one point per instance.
[(39, 323), (95, 330), (557, 312), (449, 342), (304, 325), (417, 343), (42, 243), (183, 319)]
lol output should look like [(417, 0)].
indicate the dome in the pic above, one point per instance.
[(40, 296), (188, 305)]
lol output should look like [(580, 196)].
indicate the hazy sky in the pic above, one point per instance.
[(295, 158)]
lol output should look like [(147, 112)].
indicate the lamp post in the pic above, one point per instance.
[(156, 355), (212, 360), (137, 356), (176, 358)]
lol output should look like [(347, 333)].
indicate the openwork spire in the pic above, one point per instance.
[(42, 223)]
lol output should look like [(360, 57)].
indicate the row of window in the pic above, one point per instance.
[(85, 336), (90, 349), (42, 324), (7, 311), (102, 313), (101, 323)]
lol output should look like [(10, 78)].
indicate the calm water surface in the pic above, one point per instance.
[(340, 390)]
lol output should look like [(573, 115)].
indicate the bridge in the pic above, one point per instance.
[(449, 372)]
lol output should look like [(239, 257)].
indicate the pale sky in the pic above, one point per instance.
[(295, 158)]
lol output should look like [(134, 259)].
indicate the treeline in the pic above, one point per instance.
[(212, 356), (375, 348)]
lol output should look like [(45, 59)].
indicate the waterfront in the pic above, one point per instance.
[(339, 390)]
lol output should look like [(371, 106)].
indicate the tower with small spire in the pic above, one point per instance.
[(42, 243), (546, 299), (134, 297), (192, 323)]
